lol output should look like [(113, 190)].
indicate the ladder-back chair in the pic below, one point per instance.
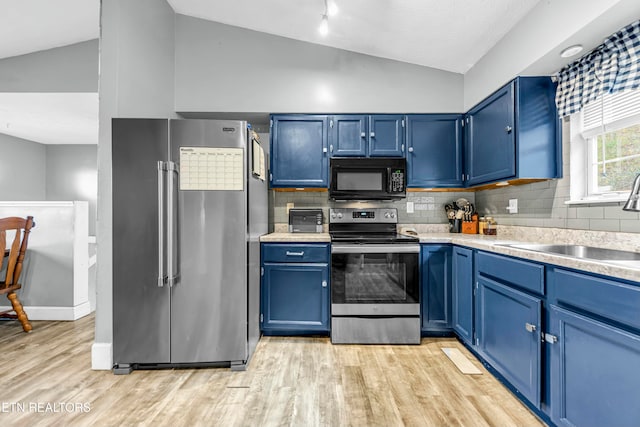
[(14, 256)]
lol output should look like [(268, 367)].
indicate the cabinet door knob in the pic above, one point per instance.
[(324, 283), (372, 134), (410, 149), (508, 129), (551, 339), (331, 148), (363, 135), (324, 149), (529, 327)]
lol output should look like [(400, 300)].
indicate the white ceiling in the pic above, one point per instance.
[(31, 25), (451, 35), (448, 34)]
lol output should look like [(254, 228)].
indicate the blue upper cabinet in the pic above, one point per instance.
[(491, 146), (386, 136), (434, 150), (366, 136), (514, 133), (299, 151), (348, 136)]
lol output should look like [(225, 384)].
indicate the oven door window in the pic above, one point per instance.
[(371, 278)]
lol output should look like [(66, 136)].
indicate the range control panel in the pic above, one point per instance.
[(355, 215)]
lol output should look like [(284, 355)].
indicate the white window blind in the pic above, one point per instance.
[(610, 112)]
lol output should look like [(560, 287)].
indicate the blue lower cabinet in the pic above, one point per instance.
[(594, 372), (435, 276), (462, 293), (508, 335), (295, 298)]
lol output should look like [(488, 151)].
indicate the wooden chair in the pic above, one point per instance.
[(15, 253)]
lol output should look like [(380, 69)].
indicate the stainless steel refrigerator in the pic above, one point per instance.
[(189, 205)]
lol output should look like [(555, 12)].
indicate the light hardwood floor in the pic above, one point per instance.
[(291, 381)]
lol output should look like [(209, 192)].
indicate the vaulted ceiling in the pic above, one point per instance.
[(451, 35)]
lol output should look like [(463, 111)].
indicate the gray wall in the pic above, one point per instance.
[(542, 205), (136, 80), (72, 174), (22, 169), (72, 68), (36, 172), (223, 68)]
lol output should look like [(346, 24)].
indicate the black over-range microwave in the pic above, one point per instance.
[(370, 178)]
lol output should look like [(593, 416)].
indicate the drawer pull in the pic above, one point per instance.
[(289, 253), (529, 327)]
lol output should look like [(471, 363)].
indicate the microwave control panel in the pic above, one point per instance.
[(396, 181)]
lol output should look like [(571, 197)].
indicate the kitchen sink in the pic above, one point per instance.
[(579, 251)]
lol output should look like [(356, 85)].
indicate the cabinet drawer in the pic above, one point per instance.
[(523, 274), (273, 252), (607, 298)]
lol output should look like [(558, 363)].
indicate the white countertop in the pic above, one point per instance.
[(295, 237), (621, 270)]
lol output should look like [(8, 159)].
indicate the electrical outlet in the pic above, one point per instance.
[(513, 206), (409, 207)]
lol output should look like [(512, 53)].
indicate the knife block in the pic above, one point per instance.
[(470, 227)]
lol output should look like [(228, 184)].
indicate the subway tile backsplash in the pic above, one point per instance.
[(428, 206)]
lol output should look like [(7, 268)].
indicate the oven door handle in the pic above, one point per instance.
[(374, 249)]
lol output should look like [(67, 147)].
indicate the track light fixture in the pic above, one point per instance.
[(330, 9)]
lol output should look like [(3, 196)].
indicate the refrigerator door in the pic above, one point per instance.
[(209, 296), (141, 322)]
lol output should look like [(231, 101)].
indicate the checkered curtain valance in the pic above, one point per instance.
[(611, 67)]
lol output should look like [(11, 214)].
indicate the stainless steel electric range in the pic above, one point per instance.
[(375, 287)]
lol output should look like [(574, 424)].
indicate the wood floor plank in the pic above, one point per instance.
[(291, 381)]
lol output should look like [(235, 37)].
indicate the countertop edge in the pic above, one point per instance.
[(487, 243)]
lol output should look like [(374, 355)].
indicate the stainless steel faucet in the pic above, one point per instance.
[(633, 204)]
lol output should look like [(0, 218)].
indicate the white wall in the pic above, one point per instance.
[(221, 68)]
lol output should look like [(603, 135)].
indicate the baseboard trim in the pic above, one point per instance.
[(101, 356), (55, 313)]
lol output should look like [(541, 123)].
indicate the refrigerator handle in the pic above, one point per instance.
[(172, 264), (161, 275)]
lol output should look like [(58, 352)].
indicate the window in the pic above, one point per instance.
[(609, 132)]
